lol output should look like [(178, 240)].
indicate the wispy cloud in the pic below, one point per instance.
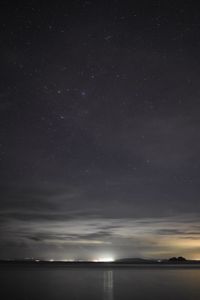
[(143, 236)]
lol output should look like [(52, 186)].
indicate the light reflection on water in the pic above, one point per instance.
[(108, 285), (59, 283)]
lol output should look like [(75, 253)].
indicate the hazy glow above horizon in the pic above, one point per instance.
[(146, 238)]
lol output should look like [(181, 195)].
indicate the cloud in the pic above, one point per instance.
[(131, 236)]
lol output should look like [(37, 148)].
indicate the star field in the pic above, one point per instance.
[(100, 129)]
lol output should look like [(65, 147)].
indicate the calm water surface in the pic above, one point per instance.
[(98, 284)]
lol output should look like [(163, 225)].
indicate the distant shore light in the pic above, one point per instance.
[(104, 259)]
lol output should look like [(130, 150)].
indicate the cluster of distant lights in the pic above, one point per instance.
[(104, 259), (100, 259)]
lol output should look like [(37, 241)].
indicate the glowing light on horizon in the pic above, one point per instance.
[(68, 260), (104, 259)]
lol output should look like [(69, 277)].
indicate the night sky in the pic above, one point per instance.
[(100, 129)]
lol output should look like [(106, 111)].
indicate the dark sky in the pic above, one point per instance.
[(99, 129)]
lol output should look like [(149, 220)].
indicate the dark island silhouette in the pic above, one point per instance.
[(178, 259)]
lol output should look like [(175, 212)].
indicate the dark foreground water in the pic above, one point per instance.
[(99, 283)]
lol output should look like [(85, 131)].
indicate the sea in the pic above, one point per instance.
[(110, 283)]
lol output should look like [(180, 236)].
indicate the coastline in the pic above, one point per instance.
[(100, 265)]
